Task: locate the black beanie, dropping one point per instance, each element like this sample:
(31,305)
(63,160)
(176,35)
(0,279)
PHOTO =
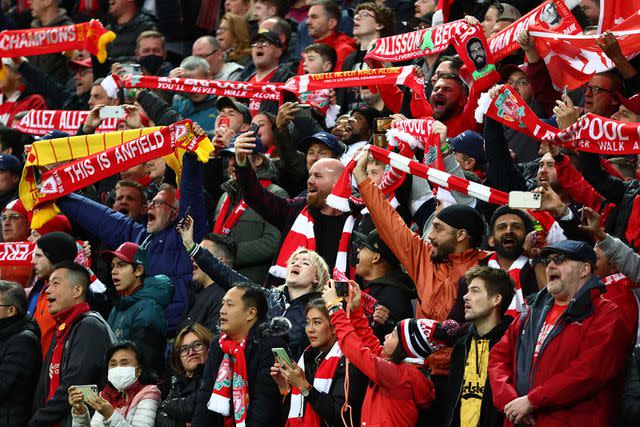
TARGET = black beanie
(464,217)
(58,246)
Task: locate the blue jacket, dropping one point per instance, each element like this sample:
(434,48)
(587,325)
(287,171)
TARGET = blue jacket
(165,250)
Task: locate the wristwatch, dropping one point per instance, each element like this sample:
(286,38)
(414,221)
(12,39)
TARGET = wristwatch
(305,392)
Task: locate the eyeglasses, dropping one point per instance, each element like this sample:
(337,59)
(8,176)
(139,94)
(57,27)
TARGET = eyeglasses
(83,71)
(519,83)
(222,30)
(264,43)
(207,55)
(557,260)
(157,203)
(361,15)
(197,347)
(595,89)
(11,217)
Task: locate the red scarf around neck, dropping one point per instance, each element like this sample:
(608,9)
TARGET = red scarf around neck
(225,223)
(230,396)
(64,320)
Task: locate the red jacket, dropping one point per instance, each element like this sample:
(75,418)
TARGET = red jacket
(577,378)
(396,392)
(343,44)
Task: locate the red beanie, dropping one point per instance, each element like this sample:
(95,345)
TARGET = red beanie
(57,223)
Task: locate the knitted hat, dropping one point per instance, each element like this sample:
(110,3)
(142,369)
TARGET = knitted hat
(57,223)
(339,197)
(58,246)
(464,217)
(421,337)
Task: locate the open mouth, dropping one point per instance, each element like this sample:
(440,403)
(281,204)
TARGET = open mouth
(295,270)
(259,53)
(151,217)
(124,211)
(508,242)
(439,104)
(554,276)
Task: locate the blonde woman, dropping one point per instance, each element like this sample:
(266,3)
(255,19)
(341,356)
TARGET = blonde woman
(233,36)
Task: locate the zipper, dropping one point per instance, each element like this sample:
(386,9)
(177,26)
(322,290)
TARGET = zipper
(466,354)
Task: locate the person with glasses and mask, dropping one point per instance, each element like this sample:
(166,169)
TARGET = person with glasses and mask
(208,48)
(138,312)
(130,398)
(564,358)
(187,362)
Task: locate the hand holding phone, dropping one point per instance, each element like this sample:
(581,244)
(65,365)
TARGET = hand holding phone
(255,128)
(342,288)
(112,112)
(87,390)
(184,219)
(281,356)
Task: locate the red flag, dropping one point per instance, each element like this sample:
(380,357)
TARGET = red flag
(614,12)
(573,60)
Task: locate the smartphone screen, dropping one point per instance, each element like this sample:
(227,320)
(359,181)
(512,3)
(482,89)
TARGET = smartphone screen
(342,288)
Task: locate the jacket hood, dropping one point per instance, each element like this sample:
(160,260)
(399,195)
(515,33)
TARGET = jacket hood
(158,288)
(13,325)
(396,279)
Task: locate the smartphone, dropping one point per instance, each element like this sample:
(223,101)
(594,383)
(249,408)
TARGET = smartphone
(87,390)
(112,112)
(281,355)
(524,200)
(224,121)
(304,106)
(184,218)
(254,128)
(565,90)
(342,288)
(133,69)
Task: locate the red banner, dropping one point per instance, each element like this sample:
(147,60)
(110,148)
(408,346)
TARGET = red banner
(613,12)
(39,122)
(550,15)
(591,133)
(573,60)
(262,91)
(472,48)
(378,76)
(79,173)
(91,36)
(16,253)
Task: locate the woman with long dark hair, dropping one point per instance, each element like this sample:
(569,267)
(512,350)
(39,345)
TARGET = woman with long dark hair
(314,387)
(130,398)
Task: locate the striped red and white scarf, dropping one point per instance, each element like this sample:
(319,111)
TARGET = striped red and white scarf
(518,302)
(302,235)
(301,415)
(230,395)
(225,223)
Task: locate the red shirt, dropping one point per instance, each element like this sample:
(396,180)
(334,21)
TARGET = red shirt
(549,323)
(254,103)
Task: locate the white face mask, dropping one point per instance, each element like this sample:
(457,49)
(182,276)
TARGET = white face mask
(122,377)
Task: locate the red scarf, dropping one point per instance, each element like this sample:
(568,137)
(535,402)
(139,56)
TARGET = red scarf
(39,122)
(64,320)
(91,36)
(16,253)
(302,235)
(223,223)
(261,91)
(473,36)
(89,7)
(591,133)
(231,390)
(301,415)
(518,301)
(633,226)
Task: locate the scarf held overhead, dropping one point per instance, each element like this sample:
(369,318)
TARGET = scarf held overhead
(573,59)
(591,133)
(91,36)
(419,43)
(378,76)
(79,173)
(261,91)
(40,122)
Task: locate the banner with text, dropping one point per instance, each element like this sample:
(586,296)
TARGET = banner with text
(40,122)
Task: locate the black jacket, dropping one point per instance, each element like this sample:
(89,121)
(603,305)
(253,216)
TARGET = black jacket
(177,408)
(59,96)
(264,398)
(206,309)
(328,406)
(394,290)
(489,415)
(82,363)
(20,359)
(122,49)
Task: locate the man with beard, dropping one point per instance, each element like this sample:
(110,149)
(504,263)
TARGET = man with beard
(435,266)
(479,57)
(324,222)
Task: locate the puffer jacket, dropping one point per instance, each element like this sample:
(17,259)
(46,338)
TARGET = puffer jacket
(257,240)
(139,317)
(20,361)
(176,410)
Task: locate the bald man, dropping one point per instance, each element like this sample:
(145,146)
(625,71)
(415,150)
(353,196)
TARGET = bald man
(328,223)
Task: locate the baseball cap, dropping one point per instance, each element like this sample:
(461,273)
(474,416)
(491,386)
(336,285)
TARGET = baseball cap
(509,69)
(9,162)
(374,242)
(54,134)
(632,104)
(469,143)
(129,252)
(325,138)
(226,102)
(85,63)
(267,35)
(573,249)
(259,148)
